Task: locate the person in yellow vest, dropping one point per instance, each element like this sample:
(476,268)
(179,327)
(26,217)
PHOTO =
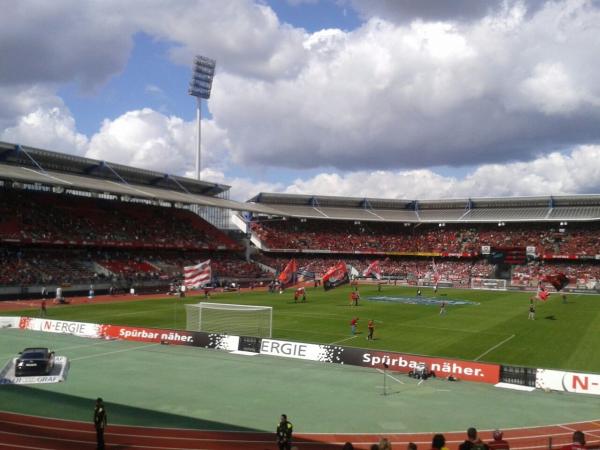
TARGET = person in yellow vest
(284,433)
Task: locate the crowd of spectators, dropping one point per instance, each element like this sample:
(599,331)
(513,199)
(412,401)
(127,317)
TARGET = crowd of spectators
(575,441)
(41,216)
(34,266)
(551,238)
(459,271)
(584,275)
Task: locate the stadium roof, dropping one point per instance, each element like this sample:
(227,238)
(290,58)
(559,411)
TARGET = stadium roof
(31,165)
(467,210)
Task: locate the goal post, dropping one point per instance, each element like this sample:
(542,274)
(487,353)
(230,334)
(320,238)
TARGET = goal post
(225,318)
(493,284)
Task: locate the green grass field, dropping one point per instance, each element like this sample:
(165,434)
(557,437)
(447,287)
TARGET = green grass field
(564,336)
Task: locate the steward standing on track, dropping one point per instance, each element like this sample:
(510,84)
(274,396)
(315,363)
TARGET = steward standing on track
(100,423)
(284,433)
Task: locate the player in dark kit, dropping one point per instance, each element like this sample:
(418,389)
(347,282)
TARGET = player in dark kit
(100,423)
(284,433)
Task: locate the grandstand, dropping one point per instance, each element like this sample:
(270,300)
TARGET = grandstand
(517,239)
(73,221)
(76,221)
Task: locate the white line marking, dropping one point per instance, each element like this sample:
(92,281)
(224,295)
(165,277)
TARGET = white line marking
(494,347)
(573,429)
(115,351)
(390,376)
(344,340)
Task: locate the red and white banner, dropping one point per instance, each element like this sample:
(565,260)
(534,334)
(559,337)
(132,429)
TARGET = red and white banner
(9,322)
(579,383)
(141,334)
(373,270)
(198,275)
(443,367)
(89,330)
(336,276)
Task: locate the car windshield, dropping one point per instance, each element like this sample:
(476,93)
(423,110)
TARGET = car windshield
(33,355)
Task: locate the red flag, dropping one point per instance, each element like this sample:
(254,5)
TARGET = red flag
(373,270)
(336,276)
(542,293)
(559,280)
(436,275)
(289,273)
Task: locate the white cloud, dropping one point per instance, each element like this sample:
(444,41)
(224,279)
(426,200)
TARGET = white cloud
(52,128)
(504,87)
(509,83)
(242,188)
(556,173)
(552,89)
(149,139)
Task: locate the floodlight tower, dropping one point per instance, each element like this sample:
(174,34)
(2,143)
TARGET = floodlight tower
(200,86)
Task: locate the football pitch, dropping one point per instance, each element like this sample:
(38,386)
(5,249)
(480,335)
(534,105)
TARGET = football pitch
(149,384)
(487,326)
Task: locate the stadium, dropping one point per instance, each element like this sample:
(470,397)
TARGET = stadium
(390,237)
(115,240)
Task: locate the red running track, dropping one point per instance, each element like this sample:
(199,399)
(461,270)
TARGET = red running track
(18,431)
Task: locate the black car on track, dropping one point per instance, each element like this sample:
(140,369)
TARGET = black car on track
(34,361)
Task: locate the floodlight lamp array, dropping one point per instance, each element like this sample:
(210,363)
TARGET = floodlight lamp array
(202,77)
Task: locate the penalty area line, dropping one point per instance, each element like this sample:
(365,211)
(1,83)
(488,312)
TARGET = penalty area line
(495,347)
(344,340)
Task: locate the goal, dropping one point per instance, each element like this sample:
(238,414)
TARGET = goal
(493,284)
(236,320)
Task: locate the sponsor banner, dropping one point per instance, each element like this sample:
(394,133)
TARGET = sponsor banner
(556,380)
(299,350)
(141,334)
(553,256)
(398,362)
(89,330)
(430,254)
(173,337)
(9,322)
(458,255)
(443,367)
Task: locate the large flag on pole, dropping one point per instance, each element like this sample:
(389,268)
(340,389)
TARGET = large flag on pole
(373,270)
(542,293)
(436,275)
(288,275)
(336,276)
(559,280)
(198,275)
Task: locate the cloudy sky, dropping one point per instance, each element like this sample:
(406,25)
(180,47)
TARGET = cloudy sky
(381,98)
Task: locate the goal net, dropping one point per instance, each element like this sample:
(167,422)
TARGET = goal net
(236,320)
(493,284)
